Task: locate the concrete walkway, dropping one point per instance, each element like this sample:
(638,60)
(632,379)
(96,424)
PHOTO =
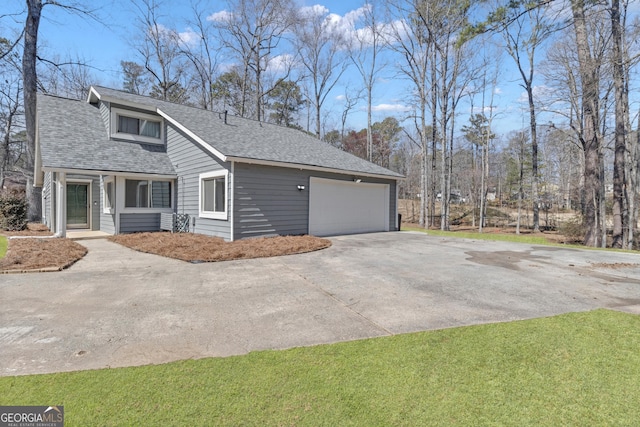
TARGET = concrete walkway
(117,307)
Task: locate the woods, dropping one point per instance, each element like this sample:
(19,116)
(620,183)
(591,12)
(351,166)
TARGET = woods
(574,149)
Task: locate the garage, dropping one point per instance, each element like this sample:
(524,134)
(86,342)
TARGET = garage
(347,207)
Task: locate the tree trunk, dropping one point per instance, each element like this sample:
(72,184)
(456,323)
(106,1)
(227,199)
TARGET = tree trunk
(534,159)
(590,119)
(34,10)
(619,182)
(423,165)
(369,121)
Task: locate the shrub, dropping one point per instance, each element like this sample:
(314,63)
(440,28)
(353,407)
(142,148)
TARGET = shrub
(13,210)
(573,229)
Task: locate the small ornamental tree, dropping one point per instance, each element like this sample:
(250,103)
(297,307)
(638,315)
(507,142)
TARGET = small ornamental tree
(13,210)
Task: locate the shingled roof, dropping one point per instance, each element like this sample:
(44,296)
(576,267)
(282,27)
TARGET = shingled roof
(246,140)
(73,136)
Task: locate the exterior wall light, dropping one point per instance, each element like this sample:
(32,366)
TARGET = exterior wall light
(300,187)
(357,180)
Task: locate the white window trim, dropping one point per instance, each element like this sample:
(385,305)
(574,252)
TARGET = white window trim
(108,208)
(115,112)
(150,209)
(208,214)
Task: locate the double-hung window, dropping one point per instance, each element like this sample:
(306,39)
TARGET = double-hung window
(147,194)
(213,195)
(136,126)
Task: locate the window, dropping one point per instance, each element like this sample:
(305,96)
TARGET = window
(136,126)
(147,194)
(109,195)
(213,195)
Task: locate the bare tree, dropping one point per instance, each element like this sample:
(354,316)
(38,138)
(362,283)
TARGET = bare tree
(364,50)
(11,110)
(350,102)
(159,48)
(30,87)
(409,41)
(620,195)
(523,35)
(30,90)
(202,55)
(574,68)
(252,30)
(322,52)
(589,62)
(70,78)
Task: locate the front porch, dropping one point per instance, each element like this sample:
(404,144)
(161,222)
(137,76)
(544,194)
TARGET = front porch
(86,234)
(90,206)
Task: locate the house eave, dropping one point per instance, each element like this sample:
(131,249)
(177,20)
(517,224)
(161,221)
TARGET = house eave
(195,137)
(94,97)
(312,168)
(107,172)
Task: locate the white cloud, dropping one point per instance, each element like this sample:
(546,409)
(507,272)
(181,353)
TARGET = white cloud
(390,108)
(188,37)
(222,16)
(347,27)
(340,98)
(280,63)
(539,92)
(313,11)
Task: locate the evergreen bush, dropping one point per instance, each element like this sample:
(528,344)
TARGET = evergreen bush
(13,210)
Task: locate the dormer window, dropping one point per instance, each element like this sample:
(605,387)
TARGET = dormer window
(134,126)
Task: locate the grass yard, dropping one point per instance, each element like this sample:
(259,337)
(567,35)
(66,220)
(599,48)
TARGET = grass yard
(529,238)
(3,246)
(574,369)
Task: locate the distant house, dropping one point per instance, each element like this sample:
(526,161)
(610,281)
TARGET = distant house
(124,163)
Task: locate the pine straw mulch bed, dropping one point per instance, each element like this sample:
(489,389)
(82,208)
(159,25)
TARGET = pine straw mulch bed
(199,248)
(38,254)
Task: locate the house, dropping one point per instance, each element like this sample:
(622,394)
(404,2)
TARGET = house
(122,163)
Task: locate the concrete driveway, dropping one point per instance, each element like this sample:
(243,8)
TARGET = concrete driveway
(117,307)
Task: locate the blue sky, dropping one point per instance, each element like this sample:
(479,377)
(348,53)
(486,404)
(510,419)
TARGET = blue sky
(104,45)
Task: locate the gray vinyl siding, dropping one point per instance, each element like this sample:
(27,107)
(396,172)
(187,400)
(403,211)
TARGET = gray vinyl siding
(268,202)
(189,161)
(107,222)
(105,113)
(131,223)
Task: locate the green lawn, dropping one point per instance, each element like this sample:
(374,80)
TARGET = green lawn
(3,246)
(574,369)
(532,239)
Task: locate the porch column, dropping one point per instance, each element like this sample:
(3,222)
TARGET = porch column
(61,205)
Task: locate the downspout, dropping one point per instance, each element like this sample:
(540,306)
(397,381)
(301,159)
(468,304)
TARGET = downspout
(398,224)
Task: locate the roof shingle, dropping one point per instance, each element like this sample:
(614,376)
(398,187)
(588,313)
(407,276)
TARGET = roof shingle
(248,139)
(72,135)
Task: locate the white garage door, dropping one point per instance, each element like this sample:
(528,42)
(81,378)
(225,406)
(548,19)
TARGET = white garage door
(344,207)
